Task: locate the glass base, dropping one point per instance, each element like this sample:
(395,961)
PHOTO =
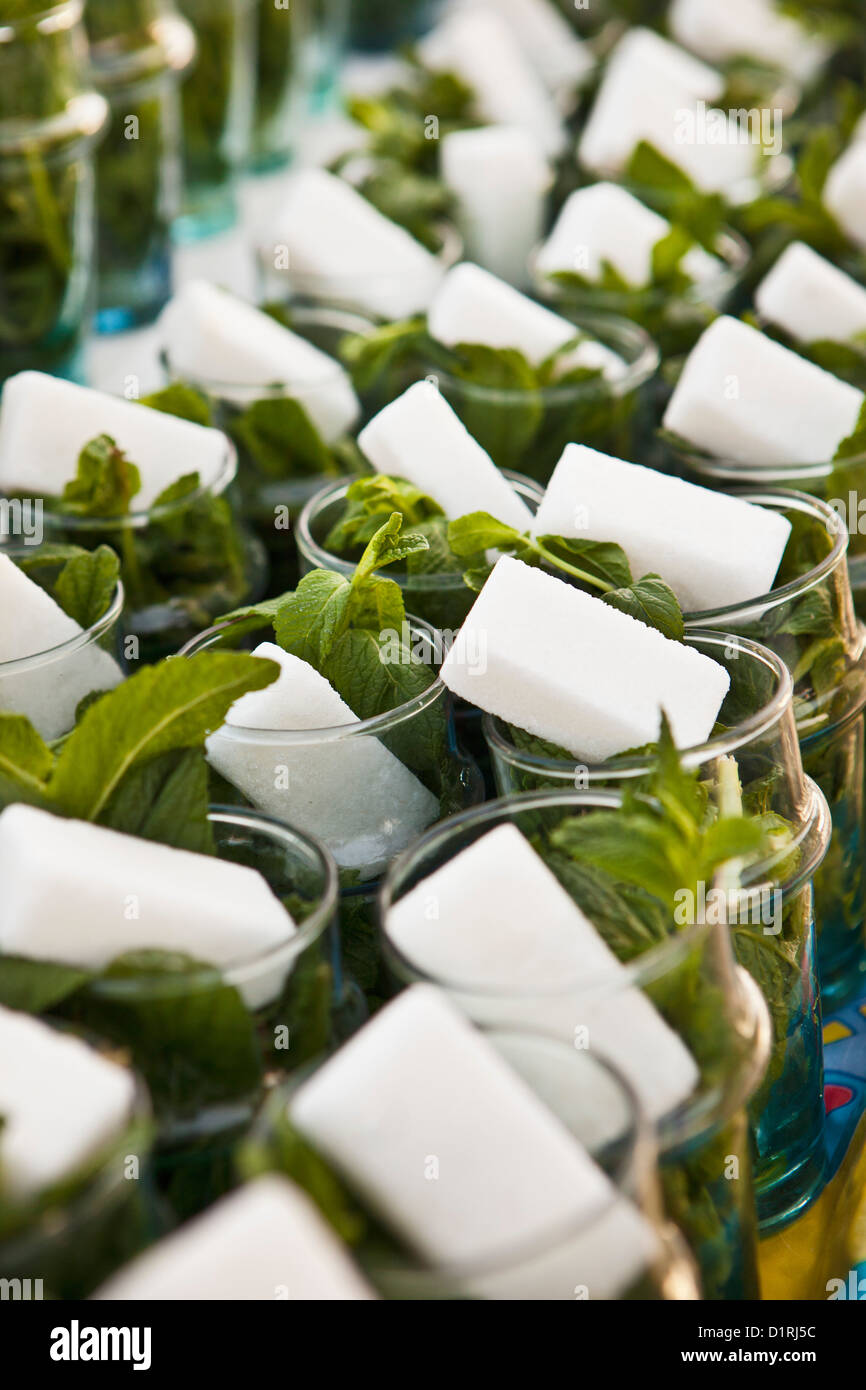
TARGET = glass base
(207,211)
(843,987)
(132,299)
(787,1197)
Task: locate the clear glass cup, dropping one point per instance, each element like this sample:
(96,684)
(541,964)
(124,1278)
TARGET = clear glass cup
(271,503)
(560,1265)
(217,104)
(712,1006)
(50,120)
(673,322)
(183,562)
(282,81)
(791,619)
(49,686)
(209,1041)
(329,20)
(137,53)
(66,1243)
(369,293)
(443,600)
(355,813)
(526,431)
(759,733)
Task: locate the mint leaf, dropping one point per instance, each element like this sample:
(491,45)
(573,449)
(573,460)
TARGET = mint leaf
(37,986)
(391,349)
(166,800)
(173,705)
(281,439)
(26,762)
(652,602)
(370,502)
(479,531)
(180,400)
(87,584)
(309,620)
(105,481)
(386,547)
(855,443)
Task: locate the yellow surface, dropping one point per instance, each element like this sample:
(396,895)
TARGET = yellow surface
(827,1241)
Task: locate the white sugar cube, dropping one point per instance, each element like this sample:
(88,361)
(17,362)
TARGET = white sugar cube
(859,131)
(844,192)
(478,46)
(418,1084)
(340,247)
(501,179)
(265,1241)
(420,438)
(604,222)
(473,306)
(62,1103)
(810,298)
(513,948)
(568,668)
(753,29)
(743,396)
(108,894)
(713,550)
(46,422)
(560,58)
(656,92)
(49,690)
(353,793)
(238,352)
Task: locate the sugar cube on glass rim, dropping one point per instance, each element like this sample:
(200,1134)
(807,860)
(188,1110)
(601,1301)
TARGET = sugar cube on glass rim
(496,928)
(419,437)
(755,29)
(566,667)
(267,1240)
(605,223)
(241,354)
(745,397)
(477,45)
(349,791)
(109,894)
(46,422)
(48,692)
(501,179)
(714,550)
(561,59)
(338,246)
(473,306)
(420,1080)
(844,192)
(654,91)
(810,298)
(62,1103)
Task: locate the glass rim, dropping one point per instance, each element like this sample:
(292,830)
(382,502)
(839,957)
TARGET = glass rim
(717,745)
(247,970)
(757,474)
(729,247)
(379,724)
(351,321)
(168,49)
(781,499)
(638,1163)
(638,370)
(335,491)
(51,19)
(82,639)
(140,519)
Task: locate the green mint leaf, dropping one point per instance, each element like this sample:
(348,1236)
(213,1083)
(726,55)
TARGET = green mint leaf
(855,443)
(182,488)
(181,400)
(87,584)
(386,547)
(165,799)
(310,620)
(600,564)
(37,986)
(281,439)
(479,531)
(172,705)
(370,357)
(372,501)
(26,762)
(652,602)
(105,481)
